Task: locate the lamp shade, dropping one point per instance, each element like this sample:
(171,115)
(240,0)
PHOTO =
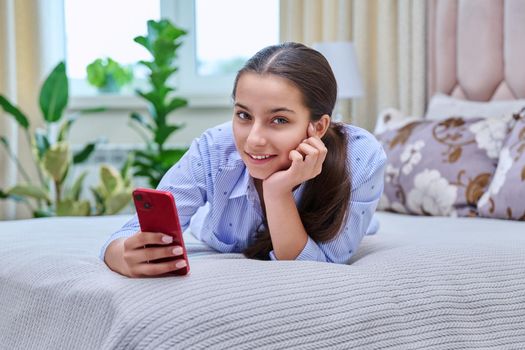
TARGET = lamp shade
(343,60)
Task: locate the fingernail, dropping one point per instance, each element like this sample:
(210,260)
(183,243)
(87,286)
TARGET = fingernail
(167,239)
(180,264)
(177,251)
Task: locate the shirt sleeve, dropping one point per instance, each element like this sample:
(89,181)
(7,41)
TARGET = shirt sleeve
(187,180)
(367,186)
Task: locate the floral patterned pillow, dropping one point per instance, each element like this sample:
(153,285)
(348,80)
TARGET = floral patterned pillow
(505,198)
(443,167)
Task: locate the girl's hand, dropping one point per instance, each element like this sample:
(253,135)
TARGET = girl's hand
(138,258)
(302,168)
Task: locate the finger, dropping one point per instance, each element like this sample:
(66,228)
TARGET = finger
(315,142)
(311,130)
(308,150)
(318,144)
(295,156)
(160,268)
(146,255)
(141,239)
(297,161)
(314,159)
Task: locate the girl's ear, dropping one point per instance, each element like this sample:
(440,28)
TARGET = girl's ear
(322,125)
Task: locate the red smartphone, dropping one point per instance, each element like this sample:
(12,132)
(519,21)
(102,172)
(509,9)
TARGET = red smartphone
(157,212)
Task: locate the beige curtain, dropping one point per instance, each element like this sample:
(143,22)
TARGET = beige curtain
(389,36)
(7,88)
(29,48)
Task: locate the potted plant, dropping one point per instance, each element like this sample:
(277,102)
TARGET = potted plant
(162,41)
(108,75)
(54,160)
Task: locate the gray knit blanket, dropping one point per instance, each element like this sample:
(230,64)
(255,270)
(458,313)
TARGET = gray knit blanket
(420,283)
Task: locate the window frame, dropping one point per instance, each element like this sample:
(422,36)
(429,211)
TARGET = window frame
(200,91)
(188,81)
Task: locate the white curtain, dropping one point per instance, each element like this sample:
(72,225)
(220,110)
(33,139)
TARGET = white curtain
(389,36)
(30,46)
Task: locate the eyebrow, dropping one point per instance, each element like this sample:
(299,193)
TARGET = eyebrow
(274,110)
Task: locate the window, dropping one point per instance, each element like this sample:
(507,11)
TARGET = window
(224,43)
(221,36)
(101,28)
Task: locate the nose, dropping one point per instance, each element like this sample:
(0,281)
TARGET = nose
(256,136)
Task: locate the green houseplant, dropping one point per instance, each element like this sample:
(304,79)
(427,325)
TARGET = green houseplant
(162,41)
(108,75)
(54,160)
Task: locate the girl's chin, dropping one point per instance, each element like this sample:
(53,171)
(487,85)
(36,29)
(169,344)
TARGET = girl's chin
(258,174)
(263,174)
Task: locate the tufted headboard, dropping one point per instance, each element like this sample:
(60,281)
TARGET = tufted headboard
(476,49)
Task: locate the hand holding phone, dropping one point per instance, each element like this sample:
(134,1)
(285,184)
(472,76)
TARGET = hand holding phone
(157,214)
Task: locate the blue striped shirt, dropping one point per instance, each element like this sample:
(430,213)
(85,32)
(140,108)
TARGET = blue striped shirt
(217,199)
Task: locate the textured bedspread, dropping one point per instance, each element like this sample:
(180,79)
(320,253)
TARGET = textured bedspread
(420,283)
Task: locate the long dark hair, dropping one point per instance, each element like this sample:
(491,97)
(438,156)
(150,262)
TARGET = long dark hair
(325,199)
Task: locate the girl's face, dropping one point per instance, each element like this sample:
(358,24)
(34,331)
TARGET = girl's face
(269,121)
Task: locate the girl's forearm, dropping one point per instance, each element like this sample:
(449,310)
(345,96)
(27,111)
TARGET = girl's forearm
(286,229)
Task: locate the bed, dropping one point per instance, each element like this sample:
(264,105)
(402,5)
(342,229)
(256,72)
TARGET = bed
(421,282)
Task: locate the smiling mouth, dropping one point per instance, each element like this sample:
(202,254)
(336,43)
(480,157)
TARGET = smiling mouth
(260,156)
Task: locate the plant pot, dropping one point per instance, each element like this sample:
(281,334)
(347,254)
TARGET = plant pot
(111,86)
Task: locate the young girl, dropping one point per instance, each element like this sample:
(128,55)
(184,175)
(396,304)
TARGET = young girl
(281,181)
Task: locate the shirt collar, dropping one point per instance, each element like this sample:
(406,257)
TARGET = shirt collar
(241,187)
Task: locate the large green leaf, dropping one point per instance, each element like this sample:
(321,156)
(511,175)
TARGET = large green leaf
(175,104)
(142,41)
(15,112)
(150,65)
(152,97)
(172,156)
(111,179)
(74,193)
(29,191)
(117,202)
(163,133)
(54,94)
(70,207)
(83,155)
(159,77)
(56,161)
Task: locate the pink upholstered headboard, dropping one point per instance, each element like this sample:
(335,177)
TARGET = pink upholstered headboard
(476,49)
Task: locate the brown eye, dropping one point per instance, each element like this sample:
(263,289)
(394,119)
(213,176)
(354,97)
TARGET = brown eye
(243,115)
(279,120)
